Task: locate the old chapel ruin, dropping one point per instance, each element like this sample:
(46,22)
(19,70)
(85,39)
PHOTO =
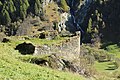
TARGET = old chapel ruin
(69,46)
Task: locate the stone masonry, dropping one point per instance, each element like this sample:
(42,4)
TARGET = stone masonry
(69,46)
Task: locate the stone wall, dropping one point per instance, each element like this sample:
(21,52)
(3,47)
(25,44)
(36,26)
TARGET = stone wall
(69,46)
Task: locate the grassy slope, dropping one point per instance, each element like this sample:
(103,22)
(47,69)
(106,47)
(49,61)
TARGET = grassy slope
(13,69)
(104,67)
(106,70)
(36,41)
(114,50)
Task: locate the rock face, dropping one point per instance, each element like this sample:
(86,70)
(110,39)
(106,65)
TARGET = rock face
(55,62)
(63,19)
(102,16)
(58,62)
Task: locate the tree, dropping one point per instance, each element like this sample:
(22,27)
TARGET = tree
(22,13)
(89,29)
(23,9)
(18,9)
(64,5)
(0,11)
(37,7)
(5,17)
(11,9)
(0,5)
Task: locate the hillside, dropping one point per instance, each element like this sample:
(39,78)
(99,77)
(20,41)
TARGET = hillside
(12,68)
(59,40)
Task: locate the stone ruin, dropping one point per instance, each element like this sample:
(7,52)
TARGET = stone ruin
(66,47)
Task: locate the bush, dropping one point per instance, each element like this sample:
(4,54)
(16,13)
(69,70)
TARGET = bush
(99,54)
(64,6)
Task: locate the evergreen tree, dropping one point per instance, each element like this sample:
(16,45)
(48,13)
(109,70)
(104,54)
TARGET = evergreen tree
(0,11)
(26,3)
(89,29)
(11,9)
(37,7)
(23,9)
(15,9)
(5,17)
(0,5)
(22,13)
(64,5)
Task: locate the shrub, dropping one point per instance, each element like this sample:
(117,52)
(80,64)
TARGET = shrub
(64,6)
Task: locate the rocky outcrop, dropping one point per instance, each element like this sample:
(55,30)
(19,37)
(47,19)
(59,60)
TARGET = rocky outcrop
(99,16)
(57,62)
(63,19)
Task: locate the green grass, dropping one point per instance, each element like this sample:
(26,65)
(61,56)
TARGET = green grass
(114,50)
(104,66)
(17,70)
(110,69)
(106,74)
(12,68)
(35,41)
